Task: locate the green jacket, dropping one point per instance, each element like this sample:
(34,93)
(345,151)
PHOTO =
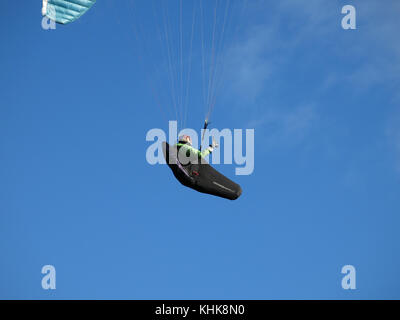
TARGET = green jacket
(190,149)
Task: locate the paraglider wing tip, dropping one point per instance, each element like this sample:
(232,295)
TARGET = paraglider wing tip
(65,11)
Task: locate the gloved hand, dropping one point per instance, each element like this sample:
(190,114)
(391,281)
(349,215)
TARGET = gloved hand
(214,144)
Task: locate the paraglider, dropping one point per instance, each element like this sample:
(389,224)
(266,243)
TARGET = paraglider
(208,24)
(65,11)
(196,173)
(194,41)
(194,38)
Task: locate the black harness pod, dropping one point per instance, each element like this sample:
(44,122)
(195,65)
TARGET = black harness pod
(200,176)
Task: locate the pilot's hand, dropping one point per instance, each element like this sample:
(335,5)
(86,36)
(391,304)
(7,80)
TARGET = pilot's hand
(214,144)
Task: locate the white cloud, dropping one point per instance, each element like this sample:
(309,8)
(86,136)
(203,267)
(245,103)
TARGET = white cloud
(255,64)
(248,67)
(370,58)
(286,126)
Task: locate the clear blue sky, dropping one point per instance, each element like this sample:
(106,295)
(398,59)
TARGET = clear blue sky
(76,191)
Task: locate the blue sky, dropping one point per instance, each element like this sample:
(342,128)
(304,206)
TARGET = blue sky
(76,191)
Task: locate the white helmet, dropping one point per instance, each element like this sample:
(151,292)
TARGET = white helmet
(185,139)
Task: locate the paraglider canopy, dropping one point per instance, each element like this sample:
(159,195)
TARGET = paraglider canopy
(65,11)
